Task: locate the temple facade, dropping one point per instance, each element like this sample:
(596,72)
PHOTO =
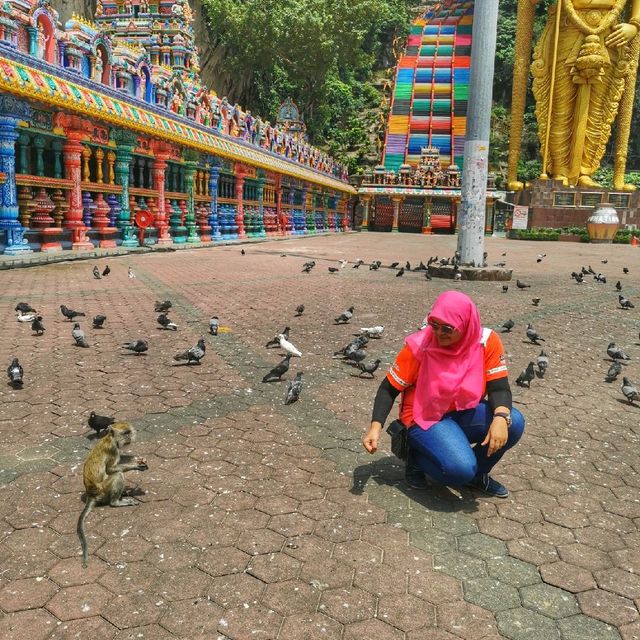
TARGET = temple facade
(106,130)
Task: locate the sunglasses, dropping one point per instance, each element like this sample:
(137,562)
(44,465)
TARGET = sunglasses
(445,329)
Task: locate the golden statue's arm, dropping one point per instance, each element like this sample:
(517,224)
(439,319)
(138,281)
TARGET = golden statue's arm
(626,106)
(524,38)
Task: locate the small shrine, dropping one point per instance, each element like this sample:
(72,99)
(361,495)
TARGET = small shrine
(107,129)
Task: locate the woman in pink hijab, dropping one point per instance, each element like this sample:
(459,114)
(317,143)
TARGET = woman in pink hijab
(444,372)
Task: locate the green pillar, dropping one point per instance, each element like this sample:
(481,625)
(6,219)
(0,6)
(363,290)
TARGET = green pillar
(126,142)
(190,168)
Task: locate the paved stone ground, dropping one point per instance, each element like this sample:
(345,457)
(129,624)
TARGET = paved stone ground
(264,521)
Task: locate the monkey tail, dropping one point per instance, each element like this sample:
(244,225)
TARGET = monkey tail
(90,503)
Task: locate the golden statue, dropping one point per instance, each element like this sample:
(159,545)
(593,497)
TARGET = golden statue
(584,75)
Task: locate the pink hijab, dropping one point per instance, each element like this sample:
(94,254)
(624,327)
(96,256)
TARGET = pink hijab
(449,376)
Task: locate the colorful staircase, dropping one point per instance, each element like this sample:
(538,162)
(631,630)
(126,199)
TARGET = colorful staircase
(429,103)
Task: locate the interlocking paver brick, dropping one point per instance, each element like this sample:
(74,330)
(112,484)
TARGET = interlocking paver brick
(460,565)
(371,629)
(608,607)
(30,593)
(244,623)
(466,620)
(310,627)
(273,567)
(348,605)
(621,582)
(186,618)
(568,577)
(35,624)
(580,627)
(291,596)
(522,624)
(96,628)
(491,594)
(549,601)
(83,601)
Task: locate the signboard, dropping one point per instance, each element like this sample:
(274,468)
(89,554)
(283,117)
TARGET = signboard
(520,217)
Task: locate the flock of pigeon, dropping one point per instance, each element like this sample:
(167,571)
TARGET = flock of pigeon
(538,367)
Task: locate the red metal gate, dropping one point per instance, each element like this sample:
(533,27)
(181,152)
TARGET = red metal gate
(381,214)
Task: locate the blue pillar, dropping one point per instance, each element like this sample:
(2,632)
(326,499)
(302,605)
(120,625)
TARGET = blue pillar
(11,111)
(214,174)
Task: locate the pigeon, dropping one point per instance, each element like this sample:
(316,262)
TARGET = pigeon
(359,262)
(162,307)
(500,264)
(78,336)
(374,266)
(600,278)
(614,371)
(96,273)
(584,272)
(525,378)
(532,334)
(357,343)
(369,368)
(427,275)
(355,357)
(275,342)
(372,332)
(618,286)
(98,321)
(604,261)
(106,271)
(504,254)
(629,391)
(535,301)
(194,354)
(625,270)
(590,270)
(507,326)
(166,323)
(131,273)
(540,257)
(579,278)
(616,353)
(214,325)
(345,316)
(299,310)
(333,269)
(70,314)
(26,317)
(522,285)
(343,263)
(24,307)
(15,373)
(400,272)
(99,423)
(407,266)
(457,276)
(36,326)
(421,267)
(295,387)
(393,265)
(288,347)
(505,288)
(242,252)
(307,266)
(279,370)
(624,303)
(137,346)
(542,361)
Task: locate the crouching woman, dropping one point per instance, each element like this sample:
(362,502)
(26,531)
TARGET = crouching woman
(456,400)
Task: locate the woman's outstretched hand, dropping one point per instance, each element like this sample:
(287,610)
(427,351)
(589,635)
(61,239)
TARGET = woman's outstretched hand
(371,438)
(496,436)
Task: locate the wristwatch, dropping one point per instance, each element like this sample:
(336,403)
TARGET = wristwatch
(505,415)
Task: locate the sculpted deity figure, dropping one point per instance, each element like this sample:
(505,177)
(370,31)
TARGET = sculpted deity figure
(41,41)
(583,65)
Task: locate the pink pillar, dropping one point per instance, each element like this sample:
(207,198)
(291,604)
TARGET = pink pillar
(240,176)
(160,222)
(72,159)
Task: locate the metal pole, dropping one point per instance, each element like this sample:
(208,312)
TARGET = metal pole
(476,146)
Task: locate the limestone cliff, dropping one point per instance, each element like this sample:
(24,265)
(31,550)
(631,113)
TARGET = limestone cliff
(211,56)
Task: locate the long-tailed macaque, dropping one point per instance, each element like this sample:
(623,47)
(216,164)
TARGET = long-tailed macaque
(104,475)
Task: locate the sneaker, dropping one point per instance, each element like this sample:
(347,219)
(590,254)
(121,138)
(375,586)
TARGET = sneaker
(414,476)
(485,483)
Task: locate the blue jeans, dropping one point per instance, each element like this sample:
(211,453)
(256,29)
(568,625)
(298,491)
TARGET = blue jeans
(444,450)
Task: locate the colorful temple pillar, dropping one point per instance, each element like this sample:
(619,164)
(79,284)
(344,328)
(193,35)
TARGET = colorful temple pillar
(11,110)
(126,142)
(260,231)
(214,173)
(190,168)
(241,173)
(158,169)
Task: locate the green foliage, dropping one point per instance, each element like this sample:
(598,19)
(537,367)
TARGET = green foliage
(322,53)
(538,234)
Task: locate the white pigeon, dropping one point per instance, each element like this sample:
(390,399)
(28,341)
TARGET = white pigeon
(343,263)
(131,273)
(26,317)
(285,345)
(372,332)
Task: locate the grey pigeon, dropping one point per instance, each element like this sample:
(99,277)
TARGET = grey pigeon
(630,391)
(194,354)
(24,307)
(535,301)
(400,272)
(161,307)
(616,353)
(98,321)
(214,325)
(96,273)
(614,371)
(15,373)
(36,326)
(625,270)
(137,346)
(70,314)
(600,278)
(167,324)
(78,336)
(525,378)
(532,334)
(507,326)
(333,269)
(625,303)
(106,271)
(505,288)
(393,265)
(542,361)
(355,357)
(345,316)
(522,285)
(295,387)
(299,310)
(306,268)
(618,286)
(279,370)
(369,368)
